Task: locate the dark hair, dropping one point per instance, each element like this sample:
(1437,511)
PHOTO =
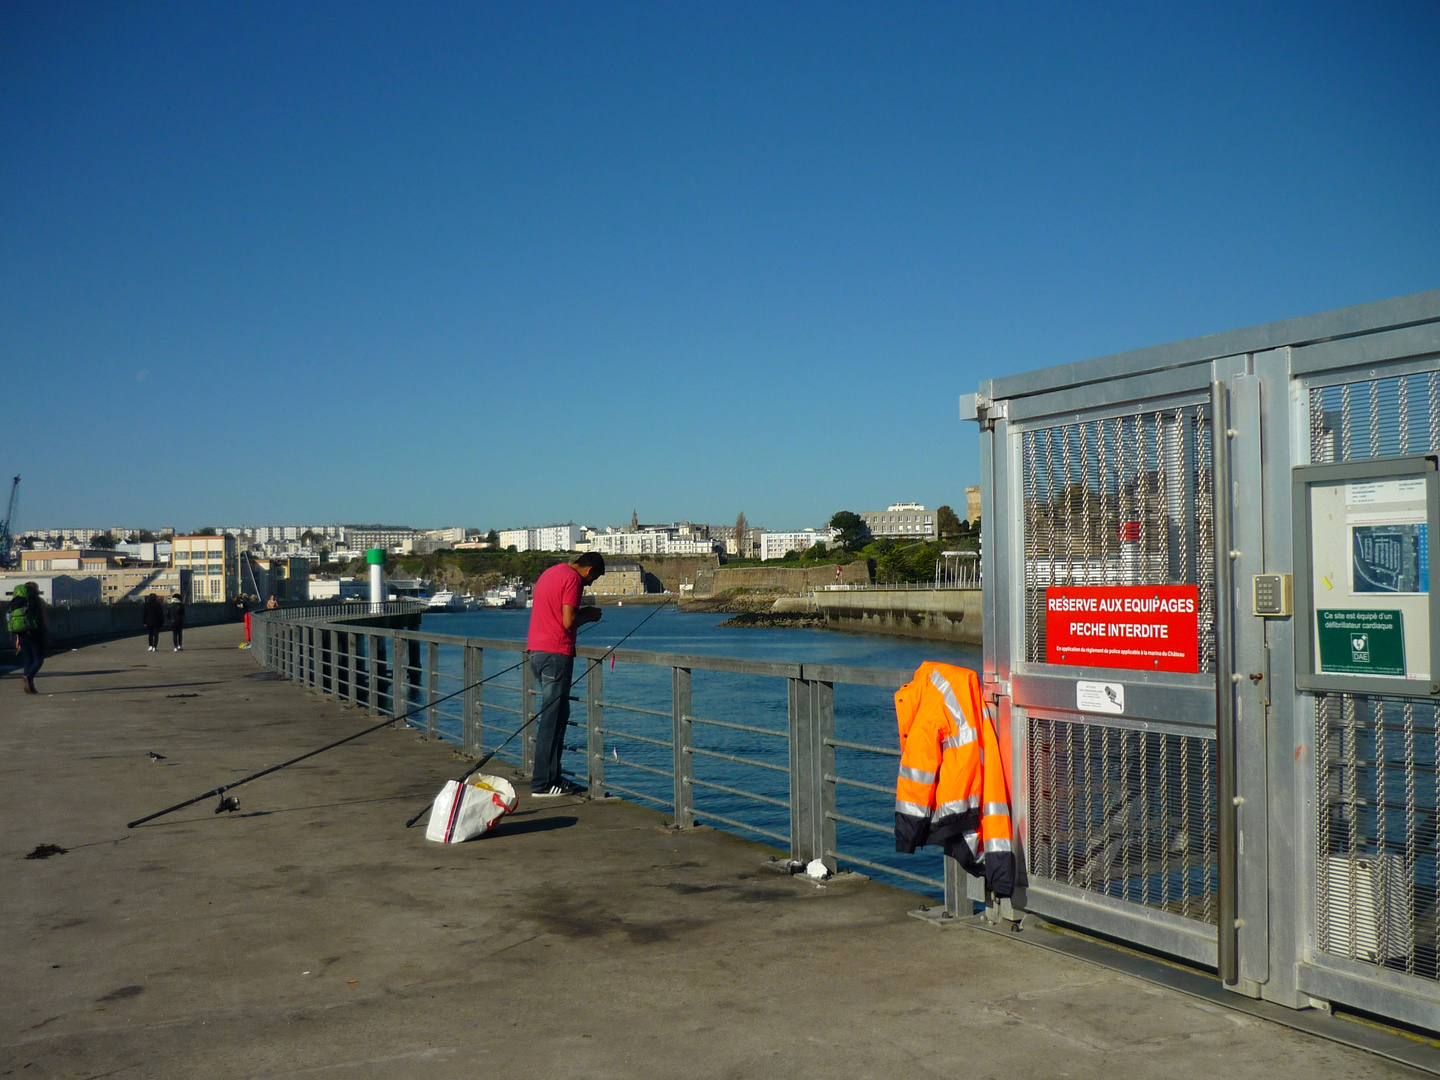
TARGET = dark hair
(592,558)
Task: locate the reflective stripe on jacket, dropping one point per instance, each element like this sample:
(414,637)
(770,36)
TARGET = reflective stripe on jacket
(952,790)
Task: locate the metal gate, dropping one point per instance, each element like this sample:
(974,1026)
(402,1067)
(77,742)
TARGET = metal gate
(1226,796)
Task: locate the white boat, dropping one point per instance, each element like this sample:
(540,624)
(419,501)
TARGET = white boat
(445,600)
(512,594)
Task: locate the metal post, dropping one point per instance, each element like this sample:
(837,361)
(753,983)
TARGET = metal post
(594,728)
(353,660)
(802,769)
(472,731)
(680,742)
(372,664)
(822,704)
(327,662)
(527,710)
(1228,943)
(312,662)
(432,688)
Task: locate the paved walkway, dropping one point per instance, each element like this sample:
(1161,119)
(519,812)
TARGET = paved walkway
(309,935)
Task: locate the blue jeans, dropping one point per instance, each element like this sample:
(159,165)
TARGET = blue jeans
(553,673)
(31,656)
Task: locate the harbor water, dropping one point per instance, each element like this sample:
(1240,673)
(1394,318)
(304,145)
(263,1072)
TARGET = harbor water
(635,762)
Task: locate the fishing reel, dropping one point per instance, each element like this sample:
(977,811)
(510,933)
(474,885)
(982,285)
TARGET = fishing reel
(228,805)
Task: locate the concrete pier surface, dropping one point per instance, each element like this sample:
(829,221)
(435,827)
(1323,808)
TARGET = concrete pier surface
(310,935)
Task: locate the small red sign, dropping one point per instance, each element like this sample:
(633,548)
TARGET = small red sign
(1144,627)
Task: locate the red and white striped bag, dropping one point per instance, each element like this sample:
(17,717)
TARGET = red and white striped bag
(483,801)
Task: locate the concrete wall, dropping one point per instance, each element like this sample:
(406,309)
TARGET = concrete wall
(936,614)
(69,626)
(779,579)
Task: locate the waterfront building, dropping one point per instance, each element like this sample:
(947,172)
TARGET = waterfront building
(391,538)
(776,545)
(67,559)
(57,587)
(283,577)
(339,589)
(621,578)
(908,521)
(214,566)
(543,538)
(682,539)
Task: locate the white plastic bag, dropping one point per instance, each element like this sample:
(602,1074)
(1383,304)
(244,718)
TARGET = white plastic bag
(484,800)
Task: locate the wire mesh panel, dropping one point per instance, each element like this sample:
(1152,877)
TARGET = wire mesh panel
(1379,820)
(1376,418)
(1377,807)
(1126,500)
(1130,814)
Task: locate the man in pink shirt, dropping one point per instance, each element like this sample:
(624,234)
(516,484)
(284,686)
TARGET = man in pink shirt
(555,616)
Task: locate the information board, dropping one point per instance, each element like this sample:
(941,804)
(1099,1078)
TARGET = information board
(1142,627)
(1370,578)
(1361,642)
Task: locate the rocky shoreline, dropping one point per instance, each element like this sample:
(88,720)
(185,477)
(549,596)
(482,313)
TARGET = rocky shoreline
(807,620)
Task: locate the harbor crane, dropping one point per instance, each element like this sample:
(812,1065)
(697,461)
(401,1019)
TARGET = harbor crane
(7,525)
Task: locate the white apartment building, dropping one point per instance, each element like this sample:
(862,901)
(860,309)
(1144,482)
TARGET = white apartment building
(775,545)
(391,539)
(542,538)
(672,540)
(909,521)
(214,566)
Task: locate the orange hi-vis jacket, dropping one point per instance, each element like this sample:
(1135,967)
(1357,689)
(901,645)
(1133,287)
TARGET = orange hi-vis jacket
(951,790)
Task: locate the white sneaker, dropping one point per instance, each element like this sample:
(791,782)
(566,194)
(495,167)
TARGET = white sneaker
(177,648)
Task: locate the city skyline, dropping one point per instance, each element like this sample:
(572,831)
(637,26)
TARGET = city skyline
(360,262)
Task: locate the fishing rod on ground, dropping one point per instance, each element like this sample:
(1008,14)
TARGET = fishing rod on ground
(234,804)
(593,665)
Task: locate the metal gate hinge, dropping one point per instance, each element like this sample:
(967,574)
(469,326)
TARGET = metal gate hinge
(988,411)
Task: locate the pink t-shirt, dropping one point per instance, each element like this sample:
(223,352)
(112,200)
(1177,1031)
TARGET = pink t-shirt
(558,586)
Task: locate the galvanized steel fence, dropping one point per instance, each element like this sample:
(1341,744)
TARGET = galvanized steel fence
(686,733)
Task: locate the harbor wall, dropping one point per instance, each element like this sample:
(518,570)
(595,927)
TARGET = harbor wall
(934,614)
(794,580)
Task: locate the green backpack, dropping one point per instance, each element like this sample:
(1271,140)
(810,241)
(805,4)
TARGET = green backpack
(20,617)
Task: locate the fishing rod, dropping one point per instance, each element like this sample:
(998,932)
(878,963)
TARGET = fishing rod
(593,665)
(234,804)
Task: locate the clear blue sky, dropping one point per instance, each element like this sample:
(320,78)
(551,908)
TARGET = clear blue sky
(504,264)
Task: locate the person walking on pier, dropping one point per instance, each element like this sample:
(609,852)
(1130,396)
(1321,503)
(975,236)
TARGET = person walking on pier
(153,616)
(555,617)
(27,620)
(175,612)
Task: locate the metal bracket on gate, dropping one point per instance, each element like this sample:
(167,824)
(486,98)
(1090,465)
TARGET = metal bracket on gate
(983,410)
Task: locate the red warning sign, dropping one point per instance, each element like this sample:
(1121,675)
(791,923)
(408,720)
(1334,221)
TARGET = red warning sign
(1146,627)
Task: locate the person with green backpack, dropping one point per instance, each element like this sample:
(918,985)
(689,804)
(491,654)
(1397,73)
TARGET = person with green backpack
(25,618)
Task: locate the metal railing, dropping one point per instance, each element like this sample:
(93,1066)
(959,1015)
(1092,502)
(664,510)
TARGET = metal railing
(644,740)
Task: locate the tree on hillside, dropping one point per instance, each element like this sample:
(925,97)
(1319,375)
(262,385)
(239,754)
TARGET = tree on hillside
(947,522)
(742,531)
(208,530)
(492,538)
(102,540)
(851,528)
(308,537)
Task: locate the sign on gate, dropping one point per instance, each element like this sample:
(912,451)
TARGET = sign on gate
(1143,627)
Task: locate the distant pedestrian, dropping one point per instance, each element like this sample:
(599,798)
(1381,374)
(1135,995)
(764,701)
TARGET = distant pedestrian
(153,616)
(555,616)
(272,604)
(27,619)
(175,612)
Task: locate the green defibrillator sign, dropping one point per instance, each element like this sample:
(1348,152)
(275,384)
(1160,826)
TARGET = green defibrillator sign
(1361,642)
